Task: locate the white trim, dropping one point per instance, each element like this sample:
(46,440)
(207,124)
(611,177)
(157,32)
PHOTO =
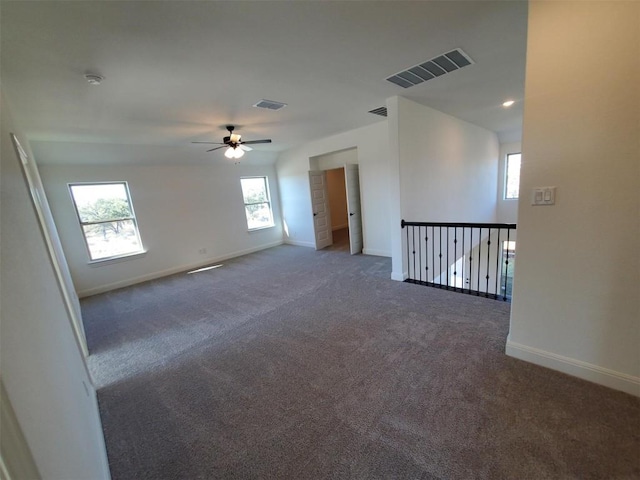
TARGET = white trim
(104,461)
(4,473)
(82,223)
(506,176)
(257,229)
(577,368)
(298,243)
(376,253)
(399,277)
(170,271)
(339,227)
(54,246)
(118,259)
(265,179)
(20,462)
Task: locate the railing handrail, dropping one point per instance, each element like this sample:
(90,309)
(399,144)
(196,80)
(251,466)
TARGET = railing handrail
(481,268)
(510,226)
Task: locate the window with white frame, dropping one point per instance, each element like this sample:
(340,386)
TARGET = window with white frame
(107,219)
(257,202)
(512,176)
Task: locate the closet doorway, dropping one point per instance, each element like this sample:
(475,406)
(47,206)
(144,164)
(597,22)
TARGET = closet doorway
(340,198)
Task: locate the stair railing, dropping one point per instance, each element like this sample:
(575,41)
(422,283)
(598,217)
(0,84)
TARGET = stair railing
(473,258)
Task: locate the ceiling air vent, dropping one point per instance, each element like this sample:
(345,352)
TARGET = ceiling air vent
(270,104)
(437,66)
(382,111)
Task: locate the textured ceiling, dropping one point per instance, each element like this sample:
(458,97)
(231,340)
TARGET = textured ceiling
(178,71)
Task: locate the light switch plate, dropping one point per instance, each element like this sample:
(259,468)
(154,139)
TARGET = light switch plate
(543,196)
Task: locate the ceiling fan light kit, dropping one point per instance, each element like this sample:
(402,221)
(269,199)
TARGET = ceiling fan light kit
(232,152)
(236,147)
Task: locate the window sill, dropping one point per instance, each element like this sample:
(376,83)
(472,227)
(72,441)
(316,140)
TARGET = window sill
(111,260)
(251,230)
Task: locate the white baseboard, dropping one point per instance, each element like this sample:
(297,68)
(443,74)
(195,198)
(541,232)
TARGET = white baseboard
(339,227)
(376,253)
(170,271)
(577,368)
(298,243)
(399,277)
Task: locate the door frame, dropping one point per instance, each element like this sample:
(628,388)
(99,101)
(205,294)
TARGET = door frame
(52,240)
(326,195)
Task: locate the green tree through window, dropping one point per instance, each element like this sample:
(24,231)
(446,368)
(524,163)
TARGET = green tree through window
(257,203)
(107,219)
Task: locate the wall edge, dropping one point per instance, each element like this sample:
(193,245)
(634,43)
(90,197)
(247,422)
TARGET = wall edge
(576,368)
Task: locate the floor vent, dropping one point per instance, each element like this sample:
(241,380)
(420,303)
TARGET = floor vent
(382,111)
(270,104)
(440,65)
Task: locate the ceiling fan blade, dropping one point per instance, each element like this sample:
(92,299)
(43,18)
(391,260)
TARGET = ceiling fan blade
(253,142)
(212,143)
(217,148)
(246,149)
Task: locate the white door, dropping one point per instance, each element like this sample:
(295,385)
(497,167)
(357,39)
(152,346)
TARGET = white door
(320,207)
(352,181)
(32,177)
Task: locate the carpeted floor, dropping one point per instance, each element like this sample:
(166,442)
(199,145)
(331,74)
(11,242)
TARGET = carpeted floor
(296,364)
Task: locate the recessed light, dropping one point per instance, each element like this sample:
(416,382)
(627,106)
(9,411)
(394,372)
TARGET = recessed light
(508,103)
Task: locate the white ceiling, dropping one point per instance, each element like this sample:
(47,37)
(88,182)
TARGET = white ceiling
(178,71)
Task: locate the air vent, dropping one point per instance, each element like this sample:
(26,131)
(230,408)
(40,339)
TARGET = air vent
(270,104)
(382,111)
(437,66)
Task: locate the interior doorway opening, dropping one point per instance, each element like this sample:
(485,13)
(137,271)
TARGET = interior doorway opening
(345,224)
(337,196)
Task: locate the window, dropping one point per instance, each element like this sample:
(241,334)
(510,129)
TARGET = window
(107,219)
(512,177)
(257,204)
(508,262)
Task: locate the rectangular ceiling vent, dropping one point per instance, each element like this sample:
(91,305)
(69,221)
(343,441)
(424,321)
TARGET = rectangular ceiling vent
(436,67)
(382,111)
(270,104)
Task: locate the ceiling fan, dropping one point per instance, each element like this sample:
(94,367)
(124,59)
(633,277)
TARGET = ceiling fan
(235,146)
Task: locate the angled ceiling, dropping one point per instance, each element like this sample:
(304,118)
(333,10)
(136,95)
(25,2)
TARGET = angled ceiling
(178,71)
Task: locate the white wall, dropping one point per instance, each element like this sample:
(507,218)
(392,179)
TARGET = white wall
(448,169)
(576,302)
(334,159)
(507,208)
(180,210)
(398,256)
(42,366)
(373,156)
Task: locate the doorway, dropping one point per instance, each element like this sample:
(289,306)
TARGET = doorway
(337,196)
(337,219)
